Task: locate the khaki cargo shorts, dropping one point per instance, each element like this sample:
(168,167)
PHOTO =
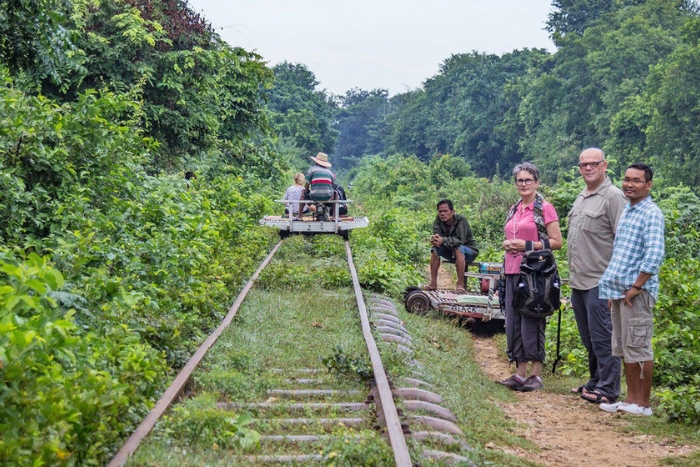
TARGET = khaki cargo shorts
(633,327)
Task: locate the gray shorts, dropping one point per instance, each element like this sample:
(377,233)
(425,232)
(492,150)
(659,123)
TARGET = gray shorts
(633,327)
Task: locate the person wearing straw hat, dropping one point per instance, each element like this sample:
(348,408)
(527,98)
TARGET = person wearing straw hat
(319,183)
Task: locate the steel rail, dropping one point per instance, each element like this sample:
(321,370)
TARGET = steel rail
(176,388)
(391,417)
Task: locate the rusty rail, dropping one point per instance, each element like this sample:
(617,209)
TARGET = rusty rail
(393,424)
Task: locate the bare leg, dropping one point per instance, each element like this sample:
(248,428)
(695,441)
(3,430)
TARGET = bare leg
(638,388)
(522,370)
(645,385)
(460,265)
(536,368)
(632,376)
(434,266)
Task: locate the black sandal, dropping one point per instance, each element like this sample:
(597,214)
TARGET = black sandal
(595,397)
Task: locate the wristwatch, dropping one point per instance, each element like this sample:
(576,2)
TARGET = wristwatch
(636,287)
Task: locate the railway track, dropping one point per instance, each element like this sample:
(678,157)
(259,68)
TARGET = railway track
(304,411)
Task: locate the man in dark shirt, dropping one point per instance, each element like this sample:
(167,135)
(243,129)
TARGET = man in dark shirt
(452,240)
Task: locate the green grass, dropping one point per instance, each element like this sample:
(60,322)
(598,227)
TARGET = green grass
(291,320)
(303,311)
(447,355)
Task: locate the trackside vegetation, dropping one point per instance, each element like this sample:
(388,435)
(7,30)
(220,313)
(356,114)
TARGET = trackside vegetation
(411,188)
(114,267)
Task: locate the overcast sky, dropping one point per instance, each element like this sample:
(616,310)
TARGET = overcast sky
(389,44)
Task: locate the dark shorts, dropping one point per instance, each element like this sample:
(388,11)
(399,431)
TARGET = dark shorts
(449,255)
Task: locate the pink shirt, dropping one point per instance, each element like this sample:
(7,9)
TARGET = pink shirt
(522,227)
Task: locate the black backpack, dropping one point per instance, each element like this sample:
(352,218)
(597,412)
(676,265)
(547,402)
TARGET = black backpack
(539,287)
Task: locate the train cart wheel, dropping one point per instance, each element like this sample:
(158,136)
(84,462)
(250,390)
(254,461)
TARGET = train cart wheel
(284,234)
(344,234)
(417,302)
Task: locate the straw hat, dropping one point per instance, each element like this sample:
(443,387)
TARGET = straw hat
(321,159)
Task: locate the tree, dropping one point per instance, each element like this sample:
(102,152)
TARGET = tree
(200,96)
(300,113)
(359,122)
(574,16)
(461,110)
(667,127)
(572,99)
(34,38)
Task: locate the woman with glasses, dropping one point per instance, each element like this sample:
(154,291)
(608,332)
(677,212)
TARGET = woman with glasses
(530,223)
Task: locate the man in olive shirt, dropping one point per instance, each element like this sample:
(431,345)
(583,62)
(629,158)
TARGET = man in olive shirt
(592,224)
(453,240)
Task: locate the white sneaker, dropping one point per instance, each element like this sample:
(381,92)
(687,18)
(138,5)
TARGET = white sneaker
(612,408)
(635,409)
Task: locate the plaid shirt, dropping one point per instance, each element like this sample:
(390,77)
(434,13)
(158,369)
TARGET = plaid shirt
(638,247)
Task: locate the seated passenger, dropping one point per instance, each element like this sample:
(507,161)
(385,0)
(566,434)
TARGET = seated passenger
(341,196)
(294,193)
(319,184)
(338,195)
(452,240)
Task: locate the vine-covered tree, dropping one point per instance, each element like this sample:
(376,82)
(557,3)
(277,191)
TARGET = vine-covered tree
(199,95)
(34,38)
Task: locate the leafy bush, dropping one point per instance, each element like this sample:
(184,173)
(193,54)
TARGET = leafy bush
(59,402)
(346,450)
(682,403)
(347,365)
(199,423)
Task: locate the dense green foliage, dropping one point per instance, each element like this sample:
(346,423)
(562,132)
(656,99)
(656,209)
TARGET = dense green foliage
(149,265)
(112,271)
(301,115)
(113,268)
(68,393)
(197,94)
(360,124)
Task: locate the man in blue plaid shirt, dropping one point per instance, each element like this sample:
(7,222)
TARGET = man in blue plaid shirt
(631,285)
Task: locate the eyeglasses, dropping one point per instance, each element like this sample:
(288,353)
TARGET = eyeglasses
(524,181)
(592,165)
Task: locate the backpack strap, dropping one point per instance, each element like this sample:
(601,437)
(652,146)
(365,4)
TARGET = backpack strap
(539,221)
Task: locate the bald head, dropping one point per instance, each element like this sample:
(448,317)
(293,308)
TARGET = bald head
(592,165)
(595,152)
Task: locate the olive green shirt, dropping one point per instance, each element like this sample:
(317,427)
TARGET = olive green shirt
(459,233)
(592,225)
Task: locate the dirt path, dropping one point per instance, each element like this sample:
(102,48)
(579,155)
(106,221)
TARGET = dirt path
(570,431)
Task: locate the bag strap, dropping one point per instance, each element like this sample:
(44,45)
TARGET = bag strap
(530,245)
(538,212)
